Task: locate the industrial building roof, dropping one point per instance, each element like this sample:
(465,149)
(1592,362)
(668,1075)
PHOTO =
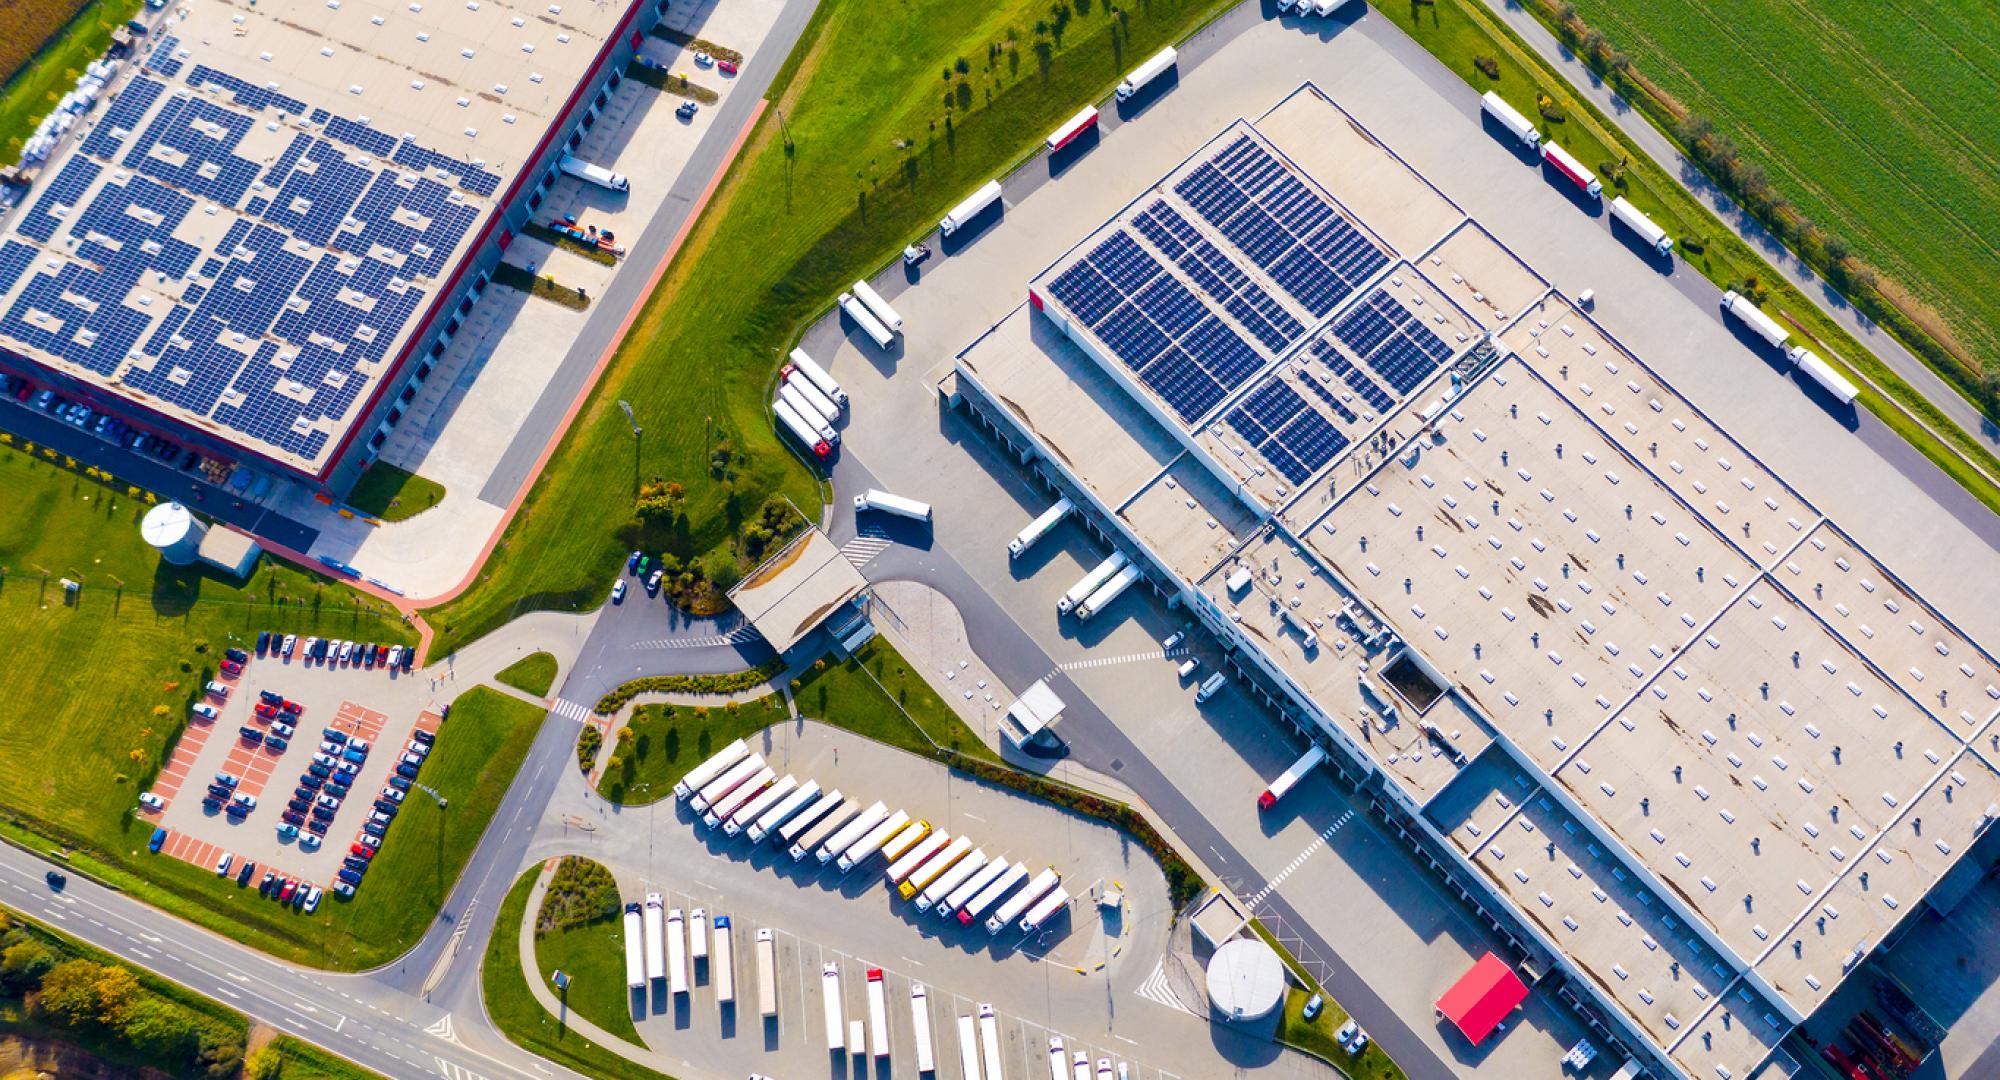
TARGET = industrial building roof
(246,236)
(794,591)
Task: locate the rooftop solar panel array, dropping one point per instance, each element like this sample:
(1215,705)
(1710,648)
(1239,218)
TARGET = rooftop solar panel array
(1286,432)
(162,58)
(1389,339)
(1214,273)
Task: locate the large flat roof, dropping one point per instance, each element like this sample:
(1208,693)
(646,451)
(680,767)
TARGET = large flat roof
(246,237)
(795,590)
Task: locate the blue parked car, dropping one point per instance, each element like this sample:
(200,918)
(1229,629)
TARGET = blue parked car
(355,754)
(350,876)
(159,839)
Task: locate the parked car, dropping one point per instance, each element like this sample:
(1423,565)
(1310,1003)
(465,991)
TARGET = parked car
(361,851)
(409,659)
(231,669)
(1313,1005)
(727,67)
(152,802)
(400,783)
(211,805)
(223,864)
(312,900)
(235,810)
(299,805)
(395,656)
(686,110)
(406,770)
(326,757)
(413,760)
(367,841)
(334,735)
(618,593)
(285,894)
(355,756)
(218,791)
(392,794)
(421,749)
(653,584)
(336,788)
(318,771)
(366,656)
(217,690)
(276,744)
(384,806)
(422,736)
(268,882)
(355,863)
(270,697)
(349,876)
(328,801)
(292,817)
(309,842)
(243,875)
(282,729)
(346,768)
(158,841)
(291,708)
(251,735)
(382,816)
(702,59)
(374,828)
(288,831)
(290,641)
(263,643)
(318,827)
(312,647)
(342,888)
(236,654)
(204,710)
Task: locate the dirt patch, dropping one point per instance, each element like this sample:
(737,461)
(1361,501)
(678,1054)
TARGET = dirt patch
(21,1056)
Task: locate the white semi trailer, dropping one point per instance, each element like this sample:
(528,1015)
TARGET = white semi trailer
(935,868)
(1572,170)
(888,503)
(1073,128)
(1823,373)
(829,992)
(920,1026)
(1637,221)
(907,863)
(1091,581)
(767,975)
(722,962)
(995,889)
(878,307)
(635,950)
(572,165)
(989,1041)
(781,813)
(948,882)
(699,776)
(976,204)
(1018,904)
(804,832)
(748,814)
(790,395)
(1044,910)
(655,919)
(969,888)
(805,432)
(878,1015)
(870,843)
(815,397)
(1510,118)
(968,1049)
(1107,592)
(1753,317)
(815,374)
(1306,763)
(1038,528)
(697,936)
(844,837)
(743,793)
(866,320)
(677,968)
(1140,77)
(736,776)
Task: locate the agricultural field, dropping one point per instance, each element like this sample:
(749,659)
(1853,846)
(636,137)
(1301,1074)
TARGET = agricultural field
(1874,120)
(44,47)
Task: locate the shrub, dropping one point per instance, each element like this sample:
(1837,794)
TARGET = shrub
(587,746)
(734,683)
(1487,65)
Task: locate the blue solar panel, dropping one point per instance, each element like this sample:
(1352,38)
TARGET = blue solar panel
(15,258)
(1131,336)
(1295,440)
(202,138)
(1170,305)
(1121,259)
(161,59)
(1248,165)
(1328,398)
(1397,346)
(1309,281)
(1186,388)
(1221,353)
(1085,292)
(1211,195)
(1371,392)
(123,117)
(1258,235)
(247,96)
(71,181)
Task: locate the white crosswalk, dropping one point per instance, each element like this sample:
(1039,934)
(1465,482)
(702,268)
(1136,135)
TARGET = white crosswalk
(740,636)
(1159,990)
(862,549)
(1310,849)
(1107,661)
(456,1072)
(570,710)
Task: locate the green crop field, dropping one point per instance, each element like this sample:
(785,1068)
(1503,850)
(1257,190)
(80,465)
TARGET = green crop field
(1875,120)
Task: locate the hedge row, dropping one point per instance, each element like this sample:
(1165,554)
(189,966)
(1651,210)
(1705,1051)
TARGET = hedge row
(734,683)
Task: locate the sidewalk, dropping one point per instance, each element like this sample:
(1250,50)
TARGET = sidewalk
(546,997)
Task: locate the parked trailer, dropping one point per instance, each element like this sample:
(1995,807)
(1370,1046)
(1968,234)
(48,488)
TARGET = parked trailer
(1510,118)
(969,889)
(815,374)
(866,320)
(1327,7)
(1306,763)
(1018,904)
(699,776)
(899,505)
(806,818)
(677,969)
(1567,164)
(655,918)
(878,307)
(781,813)
(936,867)
(1637,221)
(900,843)
(1044,910)
(829,992)
(1058,1059)
(870,842)
(750,812)
(844,838)
(995,889)
(1098,575)
(968,1049)
(806,434)
(989,1041)
(1753,317)
(961,874)
(1160,63)
(790,395)
(1038,528)
(697,935)
(594,174)
(878,1015)
(1106,593)
(743,793)
(1073,128)
(815,397)
(975,204)
(920,1026)
(808,835)
(767,975)
(1823,373)
(635,950)
(722,962)
(738,775)
(907,863)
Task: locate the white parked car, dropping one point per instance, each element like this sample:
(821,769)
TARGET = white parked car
(152,802)
(204,710)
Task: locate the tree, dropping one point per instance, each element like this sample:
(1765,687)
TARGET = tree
(157,1028)
(69,992)
(265,1063)
(23,964)
(117,990)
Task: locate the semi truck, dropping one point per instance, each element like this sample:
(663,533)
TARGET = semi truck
(816,420)
(989,1041)
(994,890)
(927,874)
(635,950)
(1018,904)
(856,828)
(1510,118)
(1107,592)
(907,863)
(571,165)
(697,936)
(1090,582)
(1073,128)
(802,832)
(870,842)
(920,1026)
(738,797)
(807,434)
(948,882)
(1044,910)
(1038,528)
(1058,1059)
(974,205)
(815,397)
(968,1049)
(829,992)
(748,814)
(781,813)
(677,968)
(767,975)
(866,320)
(900,843)
(699,776)
(972,886)
(1566,163)
(1637,221)
(878,307)
(805,817)
(878,1015)
(1140,77)
(734,777)
(655,919)
(722,963)
(1753,317)
(1306,763)
(887,503)
(805,365)
(1823,373)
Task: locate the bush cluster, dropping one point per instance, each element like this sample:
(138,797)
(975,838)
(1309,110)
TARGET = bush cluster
(587,746)
(734,683)
(580,892)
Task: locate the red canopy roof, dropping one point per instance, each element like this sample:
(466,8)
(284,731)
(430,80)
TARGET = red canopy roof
(1482,997)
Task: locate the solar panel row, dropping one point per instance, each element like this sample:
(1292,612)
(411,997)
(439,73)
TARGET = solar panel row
(1385,336)
(1206,265)
(1293,438)
(1371,392)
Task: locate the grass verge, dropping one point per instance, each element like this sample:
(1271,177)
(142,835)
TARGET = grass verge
(1316,1036)
(52,47)
(517,1014)
(661,742)
(531,674)
(877,694)
(541,286)
(393,494)
(578,932)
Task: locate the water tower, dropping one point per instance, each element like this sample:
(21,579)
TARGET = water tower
(173,529)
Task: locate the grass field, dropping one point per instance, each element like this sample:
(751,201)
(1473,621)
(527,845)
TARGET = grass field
(873,157)
(895,705)
(589,947)
(394,494)
(662,742)
(1316,1036)
(1875,121)
(44,47)
(531,674)
(521,1018)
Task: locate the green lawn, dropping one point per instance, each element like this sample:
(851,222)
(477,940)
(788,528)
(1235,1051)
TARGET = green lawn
(1316,1036)
(586,941)
(532,674)
(513,1009)
(53,63)
(393,494)
(873,157)
(895,706)
(301,1060)
(662,742)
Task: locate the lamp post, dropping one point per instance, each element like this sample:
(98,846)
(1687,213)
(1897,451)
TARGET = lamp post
(638,434)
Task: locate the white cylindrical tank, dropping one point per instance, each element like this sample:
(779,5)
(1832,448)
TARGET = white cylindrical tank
(1246,980)
(175,531)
